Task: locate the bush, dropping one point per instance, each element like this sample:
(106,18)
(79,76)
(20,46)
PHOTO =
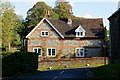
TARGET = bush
(18,62)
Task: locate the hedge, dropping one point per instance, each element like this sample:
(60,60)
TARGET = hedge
(18,62)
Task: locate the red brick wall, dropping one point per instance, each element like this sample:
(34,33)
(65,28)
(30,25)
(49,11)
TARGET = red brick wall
(55,41)
(75,61)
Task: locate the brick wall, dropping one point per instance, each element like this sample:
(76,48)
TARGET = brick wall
(76,61)
(93,47)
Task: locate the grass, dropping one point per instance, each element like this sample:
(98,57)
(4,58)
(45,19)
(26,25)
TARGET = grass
(66,67)
(110,71)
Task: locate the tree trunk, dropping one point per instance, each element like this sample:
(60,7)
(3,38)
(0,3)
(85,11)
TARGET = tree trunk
(9,47)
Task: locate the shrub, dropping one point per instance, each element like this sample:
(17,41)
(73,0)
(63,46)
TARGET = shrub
(19,62)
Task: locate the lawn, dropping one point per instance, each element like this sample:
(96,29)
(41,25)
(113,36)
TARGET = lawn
(108,72)
(66,67)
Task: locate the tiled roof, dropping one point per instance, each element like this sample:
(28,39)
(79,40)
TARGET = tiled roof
(93,27)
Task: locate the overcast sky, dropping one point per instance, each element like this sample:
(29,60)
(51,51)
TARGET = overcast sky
(81,8)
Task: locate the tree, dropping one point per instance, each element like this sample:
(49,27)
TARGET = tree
(9,22)
(106,34)
(37,12)
(1,24)
(63,9)
(106,43)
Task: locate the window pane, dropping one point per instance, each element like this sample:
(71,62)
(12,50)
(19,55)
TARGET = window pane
(77,50)
(39,51)
(42,33)
(81,50)
(46,33)
(35,50)
(78,34)
(49,52)
(81,53)
(53,51)
(81,33)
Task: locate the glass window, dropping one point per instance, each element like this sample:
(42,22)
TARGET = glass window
(38,50)
(80,52)
(35,50)
(44,33)
(51,52)
(80,34)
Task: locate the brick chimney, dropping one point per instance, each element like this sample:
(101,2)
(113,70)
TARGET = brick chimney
(47,14)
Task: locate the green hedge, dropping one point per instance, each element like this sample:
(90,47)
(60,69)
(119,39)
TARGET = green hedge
(18,62)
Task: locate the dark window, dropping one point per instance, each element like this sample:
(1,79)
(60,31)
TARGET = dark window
(44,33)
(38,50)
(51,52)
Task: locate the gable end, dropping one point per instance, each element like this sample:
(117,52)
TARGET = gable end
(49,24)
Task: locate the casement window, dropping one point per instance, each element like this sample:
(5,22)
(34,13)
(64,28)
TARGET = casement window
(80,32)
(44,33)
(38,50)
(80,52)
(51,52)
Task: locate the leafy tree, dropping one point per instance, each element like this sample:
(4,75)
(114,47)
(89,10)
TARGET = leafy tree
(37,12)
(21,29)
(107,44)
(1,24)
(62,11)
(106,34)
(62,8)
(9,22)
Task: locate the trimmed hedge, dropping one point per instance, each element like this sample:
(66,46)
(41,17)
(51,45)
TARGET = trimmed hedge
(18,62)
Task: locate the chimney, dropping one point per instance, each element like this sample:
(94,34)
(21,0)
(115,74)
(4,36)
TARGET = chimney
(69,17)
(47,14)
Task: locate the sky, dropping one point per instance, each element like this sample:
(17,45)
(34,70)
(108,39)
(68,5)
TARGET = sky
(81,8)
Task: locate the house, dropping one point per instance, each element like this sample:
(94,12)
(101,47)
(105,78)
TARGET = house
(114,20)
(73,37)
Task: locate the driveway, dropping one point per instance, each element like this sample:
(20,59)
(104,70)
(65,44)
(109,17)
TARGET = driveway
(63,74)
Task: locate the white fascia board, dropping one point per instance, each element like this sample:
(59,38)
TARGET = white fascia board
(49,23)
(35,28)
(80,27)
(54,28)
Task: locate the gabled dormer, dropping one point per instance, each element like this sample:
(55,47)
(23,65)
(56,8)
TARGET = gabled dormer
(80,32)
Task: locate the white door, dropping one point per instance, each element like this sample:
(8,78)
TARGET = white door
(79,52)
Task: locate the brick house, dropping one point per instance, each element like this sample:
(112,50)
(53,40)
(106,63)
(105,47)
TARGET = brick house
(72,37)
(114,20)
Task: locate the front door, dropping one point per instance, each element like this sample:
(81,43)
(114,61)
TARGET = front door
(79,52)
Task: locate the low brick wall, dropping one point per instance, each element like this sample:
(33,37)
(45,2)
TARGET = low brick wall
(75,61)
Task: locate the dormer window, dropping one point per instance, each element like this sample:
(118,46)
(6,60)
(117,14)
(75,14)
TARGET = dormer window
(80,32)
(44,33)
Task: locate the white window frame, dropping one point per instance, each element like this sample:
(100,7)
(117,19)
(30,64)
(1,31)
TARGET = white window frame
(79,53)
(37,51)
(78,34)
(80,30)
(44,33)
(51,52)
